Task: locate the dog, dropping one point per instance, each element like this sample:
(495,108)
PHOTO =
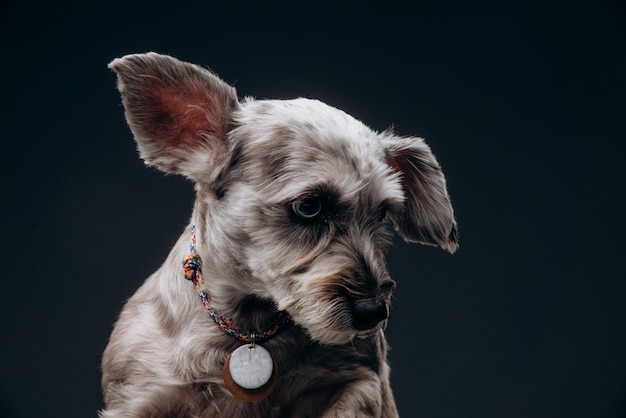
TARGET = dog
(274,301)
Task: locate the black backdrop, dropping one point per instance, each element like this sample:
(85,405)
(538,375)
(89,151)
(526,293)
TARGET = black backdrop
(524,105)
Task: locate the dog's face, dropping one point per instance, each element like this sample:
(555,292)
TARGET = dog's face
(310,194)
(299,196)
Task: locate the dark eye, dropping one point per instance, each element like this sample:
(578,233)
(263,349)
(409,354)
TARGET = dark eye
(382,213)
(308,207)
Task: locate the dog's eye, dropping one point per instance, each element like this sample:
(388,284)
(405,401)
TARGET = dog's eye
(308,207)
(382,214)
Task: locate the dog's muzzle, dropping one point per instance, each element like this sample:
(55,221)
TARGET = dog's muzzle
(367,313)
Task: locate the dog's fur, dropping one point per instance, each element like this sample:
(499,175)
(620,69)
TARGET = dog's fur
(250,161)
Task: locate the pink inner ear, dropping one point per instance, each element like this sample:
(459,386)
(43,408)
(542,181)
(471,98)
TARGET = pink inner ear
(393,163)
(403,164)
(182,114)
(176,107)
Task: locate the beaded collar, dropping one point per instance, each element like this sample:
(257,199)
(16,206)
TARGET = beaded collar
(192,269)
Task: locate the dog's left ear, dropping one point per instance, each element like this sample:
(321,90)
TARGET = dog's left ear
(428,217)
(180,113)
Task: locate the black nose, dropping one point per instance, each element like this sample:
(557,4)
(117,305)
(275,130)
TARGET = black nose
(366,313)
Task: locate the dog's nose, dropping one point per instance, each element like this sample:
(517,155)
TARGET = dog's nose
(366,313)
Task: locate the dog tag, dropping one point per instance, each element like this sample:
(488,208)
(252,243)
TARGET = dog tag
(250,373)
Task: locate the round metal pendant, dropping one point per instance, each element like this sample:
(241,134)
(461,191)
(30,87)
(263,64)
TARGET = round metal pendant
(250,373)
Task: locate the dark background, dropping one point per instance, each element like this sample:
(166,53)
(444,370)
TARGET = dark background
(524,105)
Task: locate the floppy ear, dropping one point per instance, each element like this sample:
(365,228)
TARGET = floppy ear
(428,217)
(179,113)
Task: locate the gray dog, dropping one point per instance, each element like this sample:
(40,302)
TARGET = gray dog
(273,303)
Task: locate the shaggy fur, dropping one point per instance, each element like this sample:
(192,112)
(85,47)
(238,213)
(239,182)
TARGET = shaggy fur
(252,162)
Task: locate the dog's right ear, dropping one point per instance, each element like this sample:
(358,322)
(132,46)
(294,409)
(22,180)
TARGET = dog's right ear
(428,217)
(179,113)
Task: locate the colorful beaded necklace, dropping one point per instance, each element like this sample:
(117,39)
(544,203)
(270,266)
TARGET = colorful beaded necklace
(192,268)
(250,372)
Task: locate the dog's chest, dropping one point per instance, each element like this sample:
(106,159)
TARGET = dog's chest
(311,378)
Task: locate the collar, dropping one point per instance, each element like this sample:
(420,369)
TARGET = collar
(192,267)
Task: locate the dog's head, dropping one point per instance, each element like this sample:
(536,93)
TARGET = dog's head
(296,196)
